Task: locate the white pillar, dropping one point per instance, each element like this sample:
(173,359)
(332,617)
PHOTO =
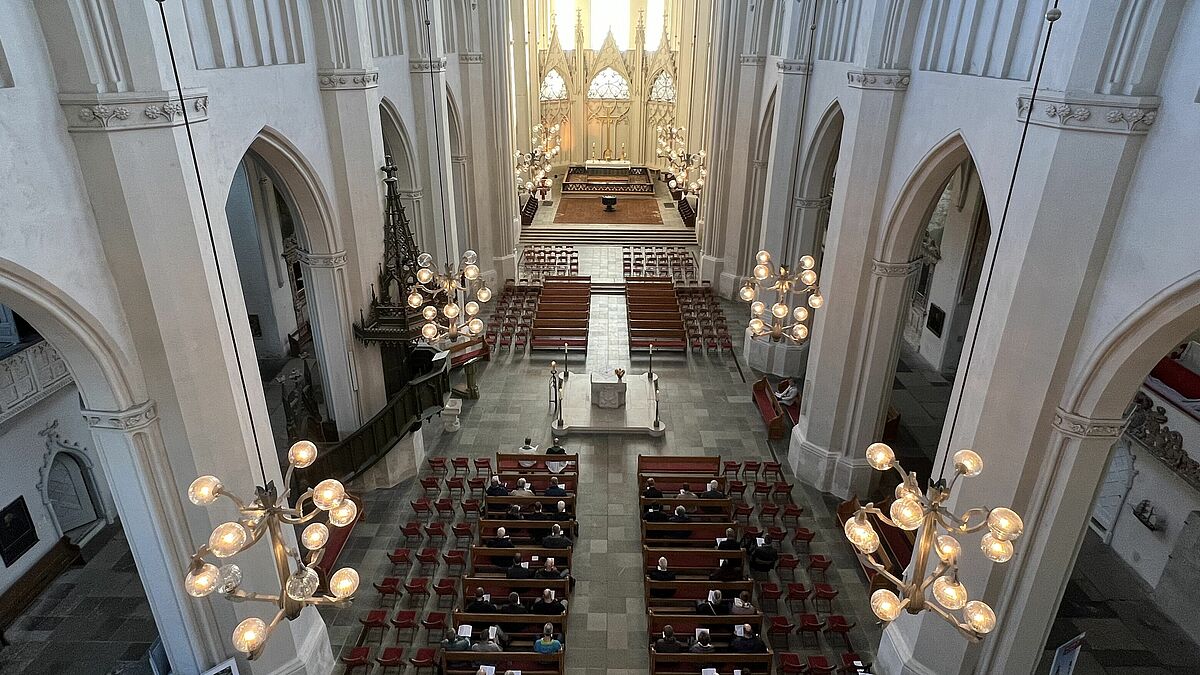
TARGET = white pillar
(326,277)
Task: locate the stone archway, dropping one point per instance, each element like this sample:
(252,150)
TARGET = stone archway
(398,145)
(814,187)
(464,221)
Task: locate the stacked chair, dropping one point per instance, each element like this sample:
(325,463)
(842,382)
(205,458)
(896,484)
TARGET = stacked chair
(707,329)
(539,262)
(673,262)
(511,321)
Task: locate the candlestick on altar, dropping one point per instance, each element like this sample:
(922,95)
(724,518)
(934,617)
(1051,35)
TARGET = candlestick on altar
(566,355)
(553,383)
(650,372)
(560,407)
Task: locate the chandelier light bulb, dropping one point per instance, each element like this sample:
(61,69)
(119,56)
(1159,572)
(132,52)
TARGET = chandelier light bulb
(905,490)
(763,257)
(302,454)
(948,548)
(429,331)
(762,271)
(816,300)
(907,513)
(996,550)
(203,490)
(303,584)
(452,310)
(881,457)
(415,300)
(757,308)
(808,262)
(475,326)
(471,272)
(227,539)
(201,582)
(344,582)
(800,332)
(343,514)
(808,277)
(968,462)
(885,604)
(328,494)
(780,310)
(429,313)
(315,536)
(757,326)
(231,578)
(800,314)
(861,534)
(949,593)
(748,292)
(1005,524)
(484,294)
(980,617)
(249,635)
(470,257)
(424,275)
(472,308)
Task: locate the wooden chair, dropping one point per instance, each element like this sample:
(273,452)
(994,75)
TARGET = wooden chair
(375,618)
(392,657)
(357,657)
(405,619)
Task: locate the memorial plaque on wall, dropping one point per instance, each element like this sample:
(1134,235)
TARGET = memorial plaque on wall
(936,319)
(17,534)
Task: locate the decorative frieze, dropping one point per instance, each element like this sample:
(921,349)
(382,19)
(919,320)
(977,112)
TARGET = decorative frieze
(752,60)
(1131,115)
(1078,426)
(335,259)
(29,377)
(793,67)
(814,203)
(471,57)
(135,417)
(889,80)
(338,79)
(427,65)
(132,110)
(896,269)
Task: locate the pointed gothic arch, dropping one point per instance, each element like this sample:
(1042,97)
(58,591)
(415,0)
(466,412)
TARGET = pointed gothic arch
(398,144)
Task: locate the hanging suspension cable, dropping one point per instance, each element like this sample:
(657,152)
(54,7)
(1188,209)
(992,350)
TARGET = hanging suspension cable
(1051,16)
(212,240)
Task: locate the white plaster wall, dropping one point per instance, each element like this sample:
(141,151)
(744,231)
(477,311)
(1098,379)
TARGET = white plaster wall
(257,284)
(23,453)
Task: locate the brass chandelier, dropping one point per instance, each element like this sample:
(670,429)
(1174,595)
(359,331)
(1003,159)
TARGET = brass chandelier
(781,321)
(460,291)
(913,510)
(265,516)
(687,168)
(533,166)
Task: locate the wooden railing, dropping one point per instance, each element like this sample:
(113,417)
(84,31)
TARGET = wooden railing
(417,401)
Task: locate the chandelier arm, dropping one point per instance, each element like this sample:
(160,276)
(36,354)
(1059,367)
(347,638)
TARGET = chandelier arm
(880,569)
(238,595)
(241,506)
(950,619)
(964,521)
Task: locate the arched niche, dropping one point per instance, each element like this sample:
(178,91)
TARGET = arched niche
(68,473)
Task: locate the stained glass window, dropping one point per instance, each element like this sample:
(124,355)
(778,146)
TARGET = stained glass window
(663,88)
(554,87)
(608,84)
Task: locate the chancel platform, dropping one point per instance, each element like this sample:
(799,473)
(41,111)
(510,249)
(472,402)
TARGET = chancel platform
(603,403)
(608,177)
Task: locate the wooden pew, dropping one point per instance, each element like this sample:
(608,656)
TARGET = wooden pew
(669,464)
(529,663)
(772,412)
(514,462)
(528,589)
(685,535)
(538,482)
(720,628)
(482,558)
(522,629)
(689,563)
(706,509)
(525,531)
(671,483)
(690,664)
(550,504)
(688,593)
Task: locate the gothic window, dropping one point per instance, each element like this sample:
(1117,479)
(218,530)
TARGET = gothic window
(663,88)
(554,87)
(608,84)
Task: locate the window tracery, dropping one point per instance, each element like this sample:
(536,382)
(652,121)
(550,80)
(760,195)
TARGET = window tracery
(554,87)
(608,85)
(663,88)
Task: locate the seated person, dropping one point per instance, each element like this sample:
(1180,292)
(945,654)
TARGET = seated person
(556,449)
(453,642)
(748,643)
(561,513)
(550,571)
(763,558)
(514,513)
(518,570)
(489,645)
(548,605)
(522,489)
(555,490)
(731,543)
(661,573)
(501,540)
(496,488)
(703,644)
(787,393)
(514,605)
(685,492)
(658,514)
(713,605)
(546,644)
(742,605)
(481,604)
(668,643)
(712,492)
(681,515)
(651,492)
(528,449)
(730,570)
(556,539)
(537,513)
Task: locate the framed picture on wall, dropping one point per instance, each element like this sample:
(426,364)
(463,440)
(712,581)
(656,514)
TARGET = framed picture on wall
(17,534)
(936,320)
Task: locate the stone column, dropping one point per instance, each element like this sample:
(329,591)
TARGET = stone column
(326,277)
(777,227)
(835,422)
(433,116)
(809,215)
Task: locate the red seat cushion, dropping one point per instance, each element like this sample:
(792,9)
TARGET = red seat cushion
(1176,376)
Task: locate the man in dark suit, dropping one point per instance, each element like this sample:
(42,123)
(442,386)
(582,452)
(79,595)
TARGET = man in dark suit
(668,643)
(556,539)
(481,604)
(712,492)
(731,543)
(748,643)
(763,558)
(517,570)
(514,605)
(651,492)
(661,573)
(501,540)
(658,515)
(555,490)
(561,513)
(681,515)
(730,570)
(548,604)
(496,489)
(712,606)
(538,513)
(556,449)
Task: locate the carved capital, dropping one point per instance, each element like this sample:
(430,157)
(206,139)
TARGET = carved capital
(133,110)
(793,67)
(1128,115)
(335,259)
(752,60)
(471,57)
(1078,426)
(414,195)
(338,79)
(888,80)
(896,269)
(813,203)
(136,417)
(437,65)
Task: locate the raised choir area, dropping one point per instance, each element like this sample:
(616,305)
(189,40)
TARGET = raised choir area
(717,600)
(482,582)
